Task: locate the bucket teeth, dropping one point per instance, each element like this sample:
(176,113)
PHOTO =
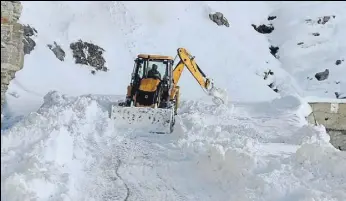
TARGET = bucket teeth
(148,119)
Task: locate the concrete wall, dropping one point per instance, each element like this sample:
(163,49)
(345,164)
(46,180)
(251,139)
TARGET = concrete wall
(12,54)
(333,117)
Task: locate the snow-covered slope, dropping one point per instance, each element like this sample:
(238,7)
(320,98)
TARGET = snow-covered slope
(125,29)
(310,44)
(258,147)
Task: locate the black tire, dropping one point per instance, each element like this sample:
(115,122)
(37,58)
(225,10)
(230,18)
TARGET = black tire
(176,99)
(171,129)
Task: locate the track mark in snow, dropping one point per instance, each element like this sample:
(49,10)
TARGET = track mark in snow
(118,175)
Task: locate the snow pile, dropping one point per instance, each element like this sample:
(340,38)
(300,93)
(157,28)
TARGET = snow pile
(75,153)
(252,162)
(56,150)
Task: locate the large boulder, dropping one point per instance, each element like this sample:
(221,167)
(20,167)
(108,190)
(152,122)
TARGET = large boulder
(219,19)
(57,50)
(322,75)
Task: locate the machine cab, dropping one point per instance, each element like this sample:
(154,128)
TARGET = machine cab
(142,74)
(144,68)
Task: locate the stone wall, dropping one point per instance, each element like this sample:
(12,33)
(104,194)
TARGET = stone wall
(333,117)
(12,54)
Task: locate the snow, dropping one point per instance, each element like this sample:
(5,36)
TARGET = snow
(318,52)
(58,142)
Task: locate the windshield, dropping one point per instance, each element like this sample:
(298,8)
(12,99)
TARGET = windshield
(161,68)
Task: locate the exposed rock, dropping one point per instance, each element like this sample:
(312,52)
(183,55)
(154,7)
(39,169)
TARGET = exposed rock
(316,34)
(263,29)
(325,19)
(274,50)
(88,54)
(338,62)
(219,19)
(10,11)
(322,75)
(337,139)
(340,96)
(271,18)
(12,55)
(29,31)
(266,74)
(320,20)
(29,43)
(272,86)
(58,51)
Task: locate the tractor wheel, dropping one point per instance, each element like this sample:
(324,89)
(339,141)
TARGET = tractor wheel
(176,100)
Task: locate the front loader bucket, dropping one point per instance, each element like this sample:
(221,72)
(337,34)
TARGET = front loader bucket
(157,120)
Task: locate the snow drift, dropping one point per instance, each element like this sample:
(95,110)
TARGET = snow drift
(70,150)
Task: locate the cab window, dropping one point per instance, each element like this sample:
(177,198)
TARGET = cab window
(161,67)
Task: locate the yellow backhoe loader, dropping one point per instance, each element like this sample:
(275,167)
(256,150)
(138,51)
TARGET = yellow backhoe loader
(152,98)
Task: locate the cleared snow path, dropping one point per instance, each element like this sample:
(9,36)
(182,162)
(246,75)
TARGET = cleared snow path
(69,150)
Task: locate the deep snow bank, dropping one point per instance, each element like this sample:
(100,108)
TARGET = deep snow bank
(259,154)
(53,152)
(69,150)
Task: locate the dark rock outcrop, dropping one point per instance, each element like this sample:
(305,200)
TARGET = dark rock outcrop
(321,20)
(325,19)
(271,18)
(219,19)
(29,43)
(58,51)
(274,50)
(338,62)
(88,54)
(340,95)
(264,29)
(266,74)
(322,75)
(272,86)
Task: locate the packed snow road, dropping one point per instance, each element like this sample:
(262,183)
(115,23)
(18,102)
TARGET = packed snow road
(69,150)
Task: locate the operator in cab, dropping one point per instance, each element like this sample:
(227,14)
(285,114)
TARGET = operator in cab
(154,73)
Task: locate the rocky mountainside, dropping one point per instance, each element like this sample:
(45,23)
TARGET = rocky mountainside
(12,46)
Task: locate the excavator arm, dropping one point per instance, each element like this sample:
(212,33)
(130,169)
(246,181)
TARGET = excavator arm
(186,59)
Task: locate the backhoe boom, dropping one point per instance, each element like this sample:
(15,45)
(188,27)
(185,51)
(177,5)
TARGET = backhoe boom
(186,59)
